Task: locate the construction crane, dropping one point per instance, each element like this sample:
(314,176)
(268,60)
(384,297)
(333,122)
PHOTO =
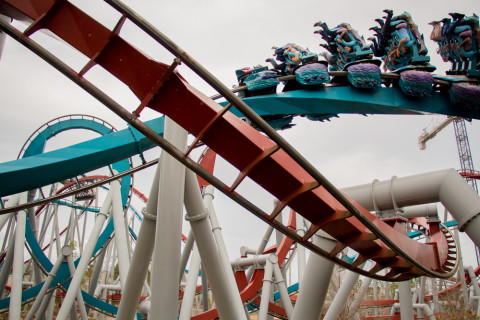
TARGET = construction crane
(464,154)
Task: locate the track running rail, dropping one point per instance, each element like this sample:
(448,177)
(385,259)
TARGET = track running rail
(372,244)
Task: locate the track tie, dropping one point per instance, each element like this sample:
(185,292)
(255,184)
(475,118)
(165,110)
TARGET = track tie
(44,19)
(282,203)
(337,215)
(364,236)
(208,127)
(265,154)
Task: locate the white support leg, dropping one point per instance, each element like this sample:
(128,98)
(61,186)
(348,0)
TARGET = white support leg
(314,283)
(15,306)
(227,298)
(189,291)
(406,304)
(121,239)
(164,283)
(282,286)
(266,290)
(74,287)
(142,255)
(342,295)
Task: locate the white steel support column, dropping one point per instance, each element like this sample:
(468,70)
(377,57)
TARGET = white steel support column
(82,266)
(342,295)
(227,298)
(7,264)
(217,234)
(282,286)
(406,304)
(142,254)
(461,271)
(121,239)
(187,249)
(13,201)
(15,306)
(164,283)
(261,249)
(189,290)
(266,290)
(41,295)
(301,258)
(314,283)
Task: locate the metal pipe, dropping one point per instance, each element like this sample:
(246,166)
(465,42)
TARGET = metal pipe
(461,271)
(15,306)
(66,250)
(7,265)
(12,202)
(96,274)
(266,290)
(189,290)
(121,240)
(338,303)
(82,266)
(406,304)
(282,287)
(164,281)
(187,249)
(217,234)
(301,259)
(204,289)
(227,298)
(261,248)
(315,284)
(141,255)
(445,186)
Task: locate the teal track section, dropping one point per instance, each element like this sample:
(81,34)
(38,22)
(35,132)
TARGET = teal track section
(42,169)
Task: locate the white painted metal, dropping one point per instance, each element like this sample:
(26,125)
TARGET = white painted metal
(40,296)
(282,286)
(314,284)
(164,283)
(15,306)
(141,255)
(266,290)
(301,258)
(227,299)
(342,295)
(445,186)
(406,304)
(121,239)
(76,281)
(460,270)
(189,291)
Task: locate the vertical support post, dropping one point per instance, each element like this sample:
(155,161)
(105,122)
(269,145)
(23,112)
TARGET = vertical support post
(406,304)
(260,249)
(342,295)
(7,264)
(82,266)
(189,291)
(301,258)
(227,298)
(461,271)
(47,283)
(15,306)
(282,286)
(217,234)
(266,290)
(204,289)
(434,290)
(187,249)
(121,239)
(315,284)
(164,283)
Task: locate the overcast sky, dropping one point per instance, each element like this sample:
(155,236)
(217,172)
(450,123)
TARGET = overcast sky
(225,35)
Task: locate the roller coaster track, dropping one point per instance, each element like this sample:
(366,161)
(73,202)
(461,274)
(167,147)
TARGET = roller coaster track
(267,159)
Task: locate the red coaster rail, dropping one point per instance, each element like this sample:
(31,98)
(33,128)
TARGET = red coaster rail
(267,159)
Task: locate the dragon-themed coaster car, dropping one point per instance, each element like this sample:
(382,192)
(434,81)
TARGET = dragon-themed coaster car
(290,59)
(401,46)
(348,51)
(458,40)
